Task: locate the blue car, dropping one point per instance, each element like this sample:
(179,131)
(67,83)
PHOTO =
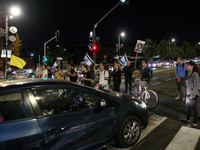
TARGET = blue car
(56,114)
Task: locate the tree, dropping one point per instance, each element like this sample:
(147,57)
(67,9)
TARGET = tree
(16,46)
(187,50)
(163,49)
(149,49)
(29,62)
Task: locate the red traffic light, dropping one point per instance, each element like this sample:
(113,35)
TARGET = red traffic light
(94,47)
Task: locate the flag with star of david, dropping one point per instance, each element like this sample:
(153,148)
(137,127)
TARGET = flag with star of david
(124,60)
(87,60)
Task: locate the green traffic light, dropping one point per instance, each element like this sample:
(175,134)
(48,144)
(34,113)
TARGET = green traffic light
(45,59)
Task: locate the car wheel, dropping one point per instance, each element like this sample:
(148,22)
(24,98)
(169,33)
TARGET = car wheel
(129,132)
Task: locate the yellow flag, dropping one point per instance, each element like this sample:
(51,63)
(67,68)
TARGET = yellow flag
(18,62)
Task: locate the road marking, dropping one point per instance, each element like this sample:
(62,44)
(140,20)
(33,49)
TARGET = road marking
(186,138)
(168,79)
(156,83)
(153,122)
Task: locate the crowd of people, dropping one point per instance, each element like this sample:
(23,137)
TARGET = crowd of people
(85,74)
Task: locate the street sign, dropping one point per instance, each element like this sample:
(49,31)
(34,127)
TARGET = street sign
(3,53)
(12,38)
(13,30)
(1,32)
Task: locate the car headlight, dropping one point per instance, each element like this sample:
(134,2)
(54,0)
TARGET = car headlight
(140,103)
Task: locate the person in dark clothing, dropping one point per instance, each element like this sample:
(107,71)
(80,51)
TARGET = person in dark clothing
(49,72)
(145,71)
(92,69)
(192,90)
(128,70)
(117,77)
(86,75)
(72,74)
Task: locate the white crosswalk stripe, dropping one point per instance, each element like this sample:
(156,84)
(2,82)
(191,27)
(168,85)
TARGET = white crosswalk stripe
(185,139)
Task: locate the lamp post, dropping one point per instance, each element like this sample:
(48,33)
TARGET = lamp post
(173,40)
(14,11)
(119,45)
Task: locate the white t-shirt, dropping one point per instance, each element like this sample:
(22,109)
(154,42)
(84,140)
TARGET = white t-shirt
(44,73)
(103,77)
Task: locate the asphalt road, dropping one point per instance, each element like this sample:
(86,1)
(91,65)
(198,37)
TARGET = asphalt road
(165,131)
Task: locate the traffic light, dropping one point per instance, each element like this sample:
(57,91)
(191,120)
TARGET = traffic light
(57,34)
(124,2)
(45,59)
(94,48)
(90,42)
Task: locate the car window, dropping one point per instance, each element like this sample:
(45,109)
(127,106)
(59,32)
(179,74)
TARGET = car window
(12,107)
(57,101)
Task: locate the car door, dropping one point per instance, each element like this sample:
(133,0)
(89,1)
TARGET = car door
(68,118)
(19,128)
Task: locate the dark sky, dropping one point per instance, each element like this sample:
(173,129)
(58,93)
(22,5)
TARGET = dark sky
(142,19)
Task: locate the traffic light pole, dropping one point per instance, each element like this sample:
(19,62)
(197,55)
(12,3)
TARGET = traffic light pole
(6,17)
(46,44)
(95,26)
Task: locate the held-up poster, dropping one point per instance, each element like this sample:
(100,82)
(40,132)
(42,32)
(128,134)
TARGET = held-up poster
(139,46)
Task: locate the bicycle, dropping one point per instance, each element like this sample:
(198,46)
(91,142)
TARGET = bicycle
(149,97)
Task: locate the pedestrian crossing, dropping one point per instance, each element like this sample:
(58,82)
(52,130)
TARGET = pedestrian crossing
(184,138)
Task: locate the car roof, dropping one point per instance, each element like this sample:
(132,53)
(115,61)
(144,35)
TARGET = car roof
(31,82)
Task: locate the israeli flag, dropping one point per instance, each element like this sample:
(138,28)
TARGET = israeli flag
(87,60)
(124,60)
(55,64)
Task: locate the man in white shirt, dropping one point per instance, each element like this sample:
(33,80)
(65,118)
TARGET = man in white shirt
(38,71)
(44,72)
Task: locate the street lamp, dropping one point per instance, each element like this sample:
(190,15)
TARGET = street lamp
(14,11)
(119,45)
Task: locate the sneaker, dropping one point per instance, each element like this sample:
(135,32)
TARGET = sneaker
(178,97)
(183,99)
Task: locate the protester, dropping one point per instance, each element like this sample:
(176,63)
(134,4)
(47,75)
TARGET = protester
(103,77)
(9,70)
(49,72)
(117,77)
(145,71)
(92,70)
(72,74)
(193,88)
(180,78)
(128,70)
(86,75)
(66,66)
(145,74)
(44,72)
(38,71)
(59,74)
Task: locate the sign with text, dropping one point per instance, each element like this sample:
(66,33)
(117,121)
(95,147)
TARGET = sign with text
(139,46)
(3,53)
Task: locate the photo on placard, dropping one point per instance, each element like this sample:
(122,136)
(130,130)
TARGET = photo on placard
(139,46)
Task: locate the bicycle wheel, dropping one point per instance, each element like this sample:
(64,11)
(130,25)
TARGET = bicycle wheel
(150,98)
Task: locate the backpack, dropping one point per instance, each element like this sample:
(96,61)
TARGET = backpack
(151,72)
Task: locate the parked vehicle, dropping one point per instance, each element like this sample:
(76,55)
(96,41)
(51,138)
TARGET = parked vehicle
(168,63)
(55,114)
(156,64)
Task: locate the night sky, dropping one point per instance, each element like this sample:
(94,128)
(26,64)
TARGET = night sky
(143,19)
